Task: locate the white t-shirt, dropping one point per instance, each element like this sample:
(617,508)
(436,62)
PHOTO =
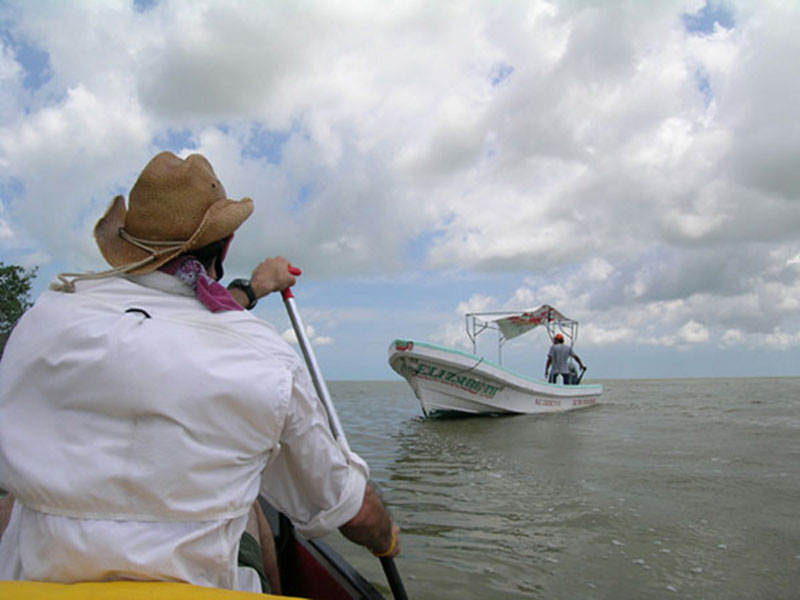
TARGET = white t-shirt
(135,444)
(560,353)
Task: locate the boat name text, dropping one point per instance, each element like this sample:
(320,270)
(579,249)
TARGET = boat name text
(457,379)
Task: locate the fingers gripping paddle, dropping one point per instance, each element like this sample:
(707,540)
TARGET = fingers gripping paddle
(389,568)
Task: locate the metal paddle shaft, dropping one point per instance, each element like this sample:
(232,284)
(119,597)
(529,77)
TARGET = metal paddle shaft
(389,568)
(313,366)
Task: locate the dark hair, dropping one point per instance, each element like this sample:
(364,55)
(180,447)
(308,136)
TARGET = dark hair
(211,254)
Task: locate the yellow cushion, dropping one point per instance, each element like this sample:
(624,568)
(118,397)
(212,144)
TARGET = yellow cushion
(119,590)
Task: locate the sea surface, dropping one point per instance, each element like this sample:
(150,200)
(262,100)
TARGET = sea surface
(673,488)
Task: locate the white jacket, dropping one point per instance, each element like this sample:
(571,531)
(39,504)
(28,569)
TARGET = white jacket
(135,445)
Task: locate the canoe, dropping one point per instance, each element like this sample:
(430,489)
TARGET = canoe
(119,590)
(309,569)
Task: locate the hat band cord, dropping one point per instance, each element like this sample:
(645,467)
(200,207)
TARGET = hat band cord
(145,245)
(68,279)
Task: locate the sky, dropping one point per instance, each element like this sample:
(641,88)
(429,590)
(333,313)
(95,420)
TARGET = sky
(634,164)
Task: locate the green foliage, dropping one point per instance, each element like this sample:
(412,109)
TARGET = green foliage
(15,288)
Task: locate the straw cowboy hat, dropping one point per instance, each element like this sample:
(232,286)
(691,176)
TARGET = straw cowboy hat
(175,206)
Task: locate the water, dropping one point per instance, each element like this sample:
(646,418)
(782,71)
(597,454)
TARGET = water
(669,489)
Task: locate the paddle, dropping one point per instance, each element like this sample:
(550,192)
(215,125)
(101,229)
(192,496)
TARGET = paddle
(577,381)
(389,568)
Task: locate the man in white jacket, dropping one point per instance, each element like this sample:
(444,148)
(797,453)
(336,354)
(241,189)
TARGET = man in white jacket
(142,410)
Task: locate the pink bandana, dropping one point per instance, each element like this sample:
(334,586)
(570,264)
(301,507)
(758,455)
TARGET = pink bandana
(211,293)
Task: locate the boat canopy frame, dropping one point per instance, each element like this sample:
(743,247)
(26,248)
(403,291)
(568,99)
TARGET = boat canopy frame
(553,321)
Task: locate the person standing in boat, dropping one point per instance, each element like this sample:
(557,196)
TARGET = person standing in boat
(143,410)
(558,359)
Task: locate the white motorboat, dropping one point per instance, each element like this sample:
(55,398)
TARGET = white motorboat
(446,380)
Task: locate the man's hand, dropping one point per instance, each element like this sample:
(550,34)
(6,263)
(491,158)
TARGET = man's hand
(272,275)
(394,549)
(373,526)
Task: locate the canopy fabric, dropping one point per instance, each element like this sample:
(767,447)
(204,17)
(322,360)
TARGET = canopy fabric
(515,325)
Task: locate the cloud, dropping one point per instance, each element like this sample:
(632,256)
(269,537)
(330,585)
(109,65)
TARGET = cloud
(452,333)
(11,75)
(316,340)
(593,335)
(774,340)
(643,181)
(693,333)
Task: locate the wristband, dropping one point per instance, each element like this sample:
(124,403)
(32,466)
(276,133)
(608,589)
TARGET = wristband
(244,285)
(387,552)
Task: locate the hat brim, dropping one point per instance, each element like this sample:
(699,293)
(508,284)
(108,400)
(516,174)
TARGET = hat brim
(221,219)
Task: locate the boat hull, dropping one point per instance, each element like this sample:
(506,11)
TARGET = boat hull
(445,381)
